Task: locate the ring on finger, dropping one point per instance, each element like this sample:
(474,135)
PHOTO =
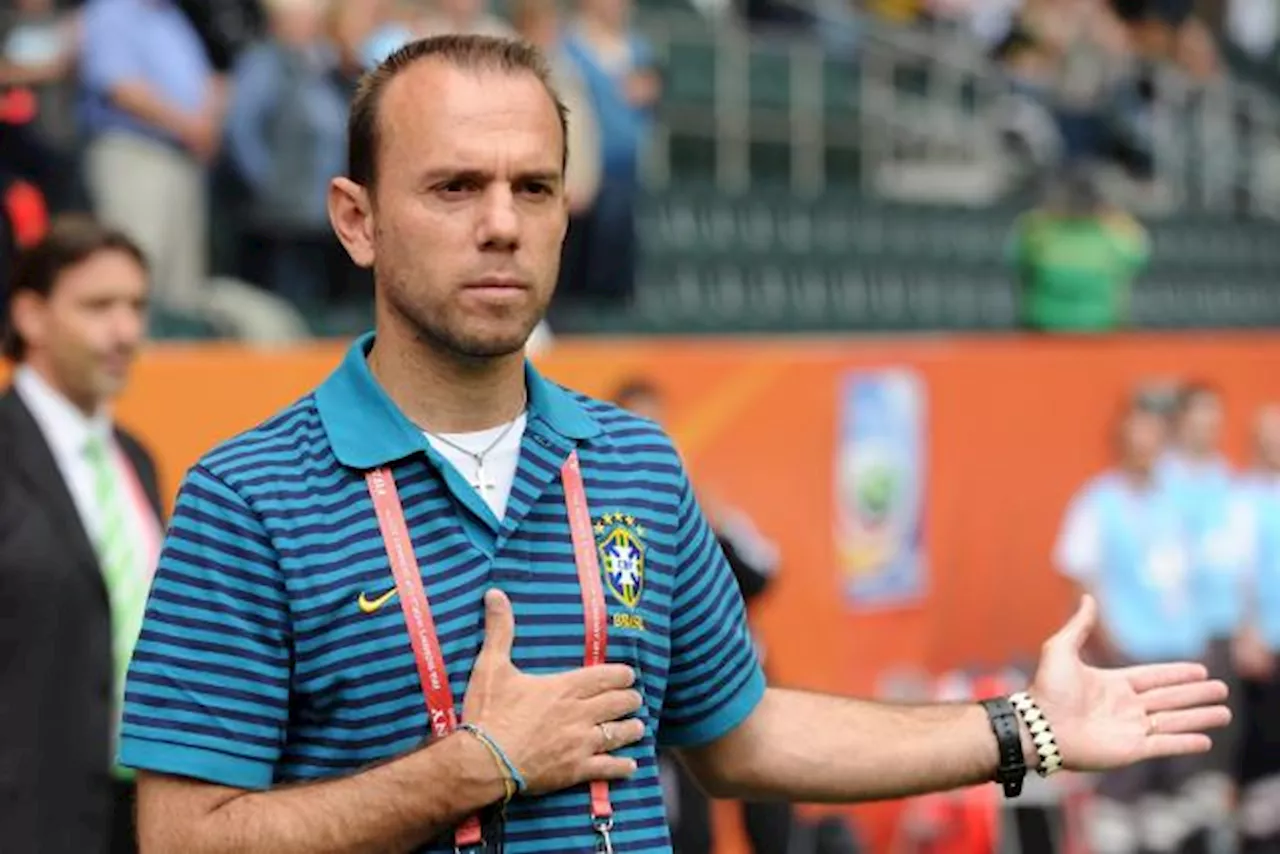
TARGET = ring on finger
(606,738)
(1152,728)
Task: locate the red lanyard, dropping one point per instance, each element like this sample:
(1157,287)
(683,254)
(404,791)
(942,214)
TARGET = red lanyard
(441,711)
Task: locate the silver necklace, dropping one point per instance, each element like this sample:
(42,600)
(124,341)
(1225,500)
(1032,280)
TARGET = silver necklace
(479,482)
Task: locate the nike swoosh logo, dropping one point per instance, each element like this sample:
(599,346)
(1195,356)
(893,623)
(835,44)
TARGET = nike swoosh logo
(368,605)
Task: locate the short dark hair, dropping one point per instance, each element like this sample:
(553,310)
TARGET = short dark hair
(466,52)
(1193,391)
(70,240)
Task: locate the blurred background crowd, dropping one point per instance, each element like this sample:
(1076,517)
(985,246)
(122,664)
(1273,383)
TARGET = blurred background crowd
(806,164)
(767,166)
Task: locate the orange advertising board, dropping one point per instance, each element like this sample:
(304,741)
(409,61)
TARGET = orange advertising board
(1013,427)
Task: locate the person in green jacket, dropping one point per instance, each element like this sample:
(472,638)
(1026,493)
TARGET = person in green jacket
(1076,257)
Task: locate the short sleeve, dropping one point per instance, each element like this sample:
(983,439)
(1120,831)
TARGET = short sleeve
(208,689)
(108,56)
(715,681)
(1078,551)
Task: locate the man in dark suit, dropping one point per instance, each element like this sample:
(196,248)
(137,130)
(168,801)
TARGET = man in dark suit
(80,525)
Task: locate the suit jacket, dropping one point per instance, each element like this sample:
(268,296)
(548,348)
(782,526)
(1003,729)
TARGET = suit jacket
(56,672)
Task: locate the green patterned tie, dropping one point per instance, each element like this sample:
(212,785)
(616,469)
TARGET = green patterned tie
(126,586)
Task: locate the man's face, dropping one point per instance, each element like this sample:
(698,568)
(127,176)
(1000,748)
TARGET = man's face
(1200,425)
(87,332)
(1143,440)
(469,211)
(1268,437)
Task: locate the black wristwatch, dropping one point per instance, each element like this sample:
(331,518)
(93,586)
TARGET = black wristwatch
(1013,766)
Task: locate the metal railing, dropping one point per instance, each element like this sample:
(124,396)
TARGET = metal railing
(1215,149)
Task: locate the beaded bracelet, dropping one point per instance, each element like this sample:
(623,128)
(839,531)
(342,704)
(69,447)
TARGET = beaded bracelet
(512,779)
(1041,733)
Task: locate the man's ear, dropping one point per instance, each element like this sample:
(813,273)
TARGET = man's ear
(29,317)
(351,214)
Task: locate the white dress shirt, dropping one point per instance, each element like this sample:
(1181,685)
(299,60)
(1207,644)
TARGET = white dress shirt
(67,430)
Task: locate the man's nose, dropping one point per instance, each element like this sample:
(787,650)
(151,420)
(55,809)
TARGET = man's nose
(499,226)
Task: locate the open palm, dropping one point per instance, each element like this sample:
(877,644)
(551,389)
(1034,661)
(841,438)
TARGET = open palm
(1107,718)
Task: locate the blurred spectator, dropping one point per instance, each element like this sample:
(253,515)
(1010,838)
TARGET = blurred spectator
(414,19)
(395,28)
(443,17)
(538,22)
(226,27)
(354,30)
(1168,30)
(286,133)
(1090,50)
(1075,258)
(1071,59)
(153,115)
(1214,519)
(1123,540)
(38,48)
(754,561)
(79,537)
(617,65)
(1259,756)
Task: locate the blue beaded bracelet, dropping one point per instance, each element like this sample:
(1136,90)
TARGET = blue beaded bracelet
(511,769)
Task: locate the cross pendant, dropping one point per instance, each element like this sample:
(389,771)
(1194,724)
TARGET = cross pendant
(480,484)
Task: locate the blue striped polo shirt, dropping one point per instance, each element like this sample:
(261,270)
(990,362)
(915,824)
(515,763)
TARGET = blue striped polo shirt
(257,665)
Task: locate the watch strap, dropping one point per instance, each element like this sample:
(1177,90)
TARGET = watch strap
(1004,720)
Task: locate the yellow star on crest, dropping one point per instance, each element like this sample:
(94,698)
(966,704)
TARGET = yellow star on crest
(600,529)
(631,521)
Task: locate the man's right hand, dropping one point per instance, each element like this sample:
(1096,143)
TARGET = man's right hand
(550,726)
(200,135)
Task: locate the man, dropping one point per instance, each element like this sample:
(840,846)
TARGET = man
(1075,258)
(152,113)
(576,611)
(1123,542)
(1215,519)
(79,536)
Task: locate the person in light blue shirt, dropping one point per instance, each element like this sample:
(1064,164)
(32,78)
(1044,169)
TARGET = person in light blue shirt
(1123,540)
(1195,469)
(1215,516)
(1258,648)
(151,112)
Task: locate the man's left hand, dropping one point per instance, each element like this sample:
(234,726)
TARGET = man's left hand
(1107,718)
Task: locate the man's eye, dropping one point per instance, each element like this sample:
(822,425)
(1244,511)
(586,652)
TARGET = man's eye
(538,188)
(457,187)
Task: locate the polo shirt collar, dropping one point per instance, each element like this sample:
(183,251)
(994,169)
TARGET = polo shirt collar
(366,429)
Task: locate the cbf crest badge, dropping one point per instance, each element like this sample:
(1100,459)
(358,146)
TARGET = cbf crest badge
(620,543)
